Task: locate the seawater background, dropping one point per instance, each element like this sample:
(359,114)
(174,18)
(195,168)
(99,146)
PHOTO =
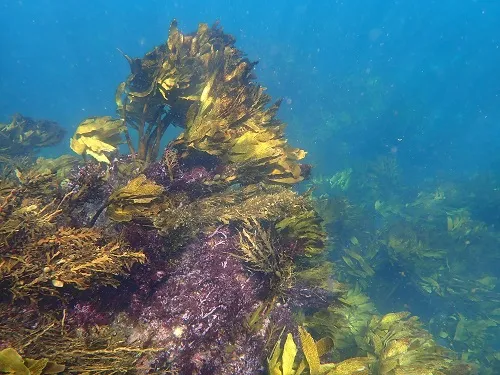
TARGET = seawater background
(422,76)
(415,80)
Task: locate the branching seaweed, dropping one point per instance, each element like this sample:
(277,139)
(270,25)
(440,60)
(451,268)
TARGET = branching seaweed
(260,251)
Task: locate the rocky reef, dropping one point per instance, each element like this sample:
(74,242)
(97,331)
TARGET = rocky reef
(198,259)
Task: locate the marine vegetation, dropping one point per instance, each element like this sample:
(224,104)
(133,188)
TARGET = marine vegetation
(425,248)
(202,83)
(197,259)
(24,136)
(97,137)
(12,362)
(392,344)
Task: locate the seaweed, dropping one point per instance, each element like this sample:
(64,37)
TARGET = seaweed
(259,249)
(75,257)
(39,257)
(201,83)
(12,363)
(25,136)
(200,261)
(133,200)
(284,361)
(97,136)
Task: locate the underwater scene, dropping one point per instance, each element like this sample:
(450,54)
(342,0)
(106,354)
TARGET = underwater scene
(270,188)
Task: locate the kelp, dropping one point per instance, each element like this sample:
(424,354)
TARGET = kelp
(470,331)
(12,363)
(98,137)
(60,167)
(253,141)
(306,228)
(359,260)
(134,200)
(392,344)
(345,322)
(339,181)
(284,361)
(200,82)
(320,274)
(401,346)
(432,245)
(24,135)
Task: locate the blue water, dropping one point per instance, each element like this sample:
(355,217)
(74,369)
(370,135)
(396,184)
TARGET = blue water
(436,63)
(418,81)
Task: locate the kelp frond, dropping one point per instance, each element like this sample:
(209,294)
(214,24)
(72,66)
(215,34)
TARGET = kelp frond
(402,346)
(98,137)
(24,135)
(12,363)
(202,83)
(133,199)
(285,360)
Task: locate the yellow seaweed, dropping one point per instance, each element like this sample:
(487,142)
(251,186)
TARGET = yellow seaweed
(97,137)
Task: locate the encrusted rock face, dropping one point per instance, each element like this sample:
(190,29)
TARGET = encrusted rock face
(198,314)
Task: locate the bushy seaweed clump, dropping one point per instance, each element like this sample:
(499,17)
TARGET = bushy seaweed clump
(196,263)
(24,136)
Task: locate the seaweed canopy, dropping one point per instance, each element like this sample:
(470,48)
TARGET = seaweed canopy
(402,346)
(201,82)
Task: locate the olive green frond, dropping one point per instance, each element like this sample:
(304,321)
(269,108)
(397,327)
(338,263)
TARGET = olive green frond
(97,137)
